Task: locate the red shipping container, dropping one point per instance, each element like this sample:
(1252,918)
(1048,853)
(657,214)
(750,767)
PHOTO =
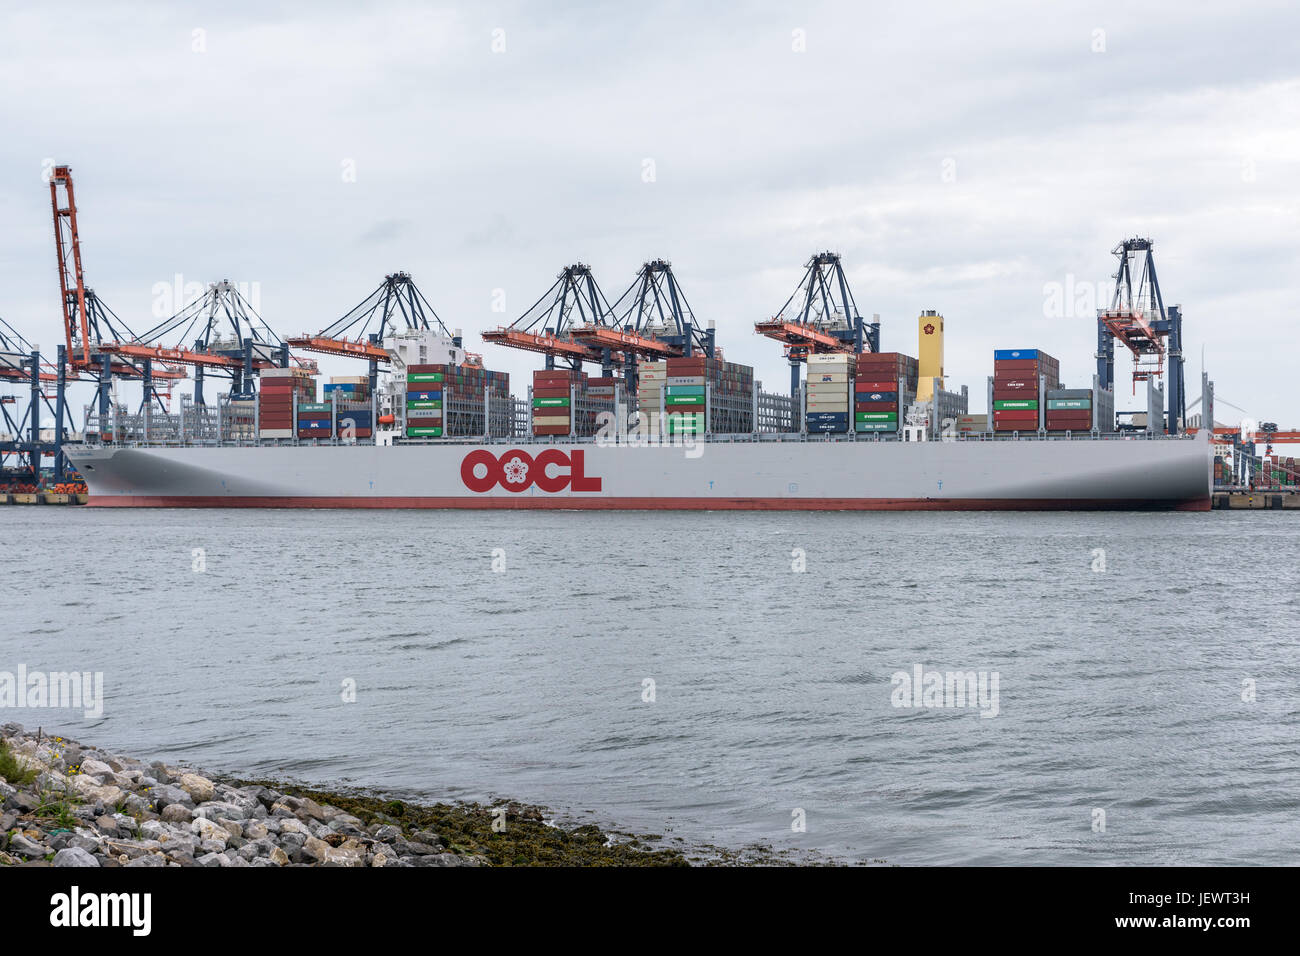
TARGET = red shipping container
(883,385)
(1015,365)
(539,392)
(1007,395)
(1015,415)
(550,429)
(423,422)
(1015,381)
(313,433)
(1069,421)
(875,406)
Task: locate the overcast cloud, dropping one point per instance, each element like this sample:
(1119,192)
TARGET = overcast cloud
(478,170)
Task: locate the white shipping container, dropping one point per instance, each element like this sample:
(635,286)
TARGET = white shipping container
(685,380)
(833,359)
(550,419)
(276,433)
(822,377)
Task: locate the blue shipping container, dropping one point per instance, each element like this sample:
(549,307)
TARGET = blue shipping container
(313,423)
(358,419)
(423,396)
(1011,355)
(876,396)
(827,418)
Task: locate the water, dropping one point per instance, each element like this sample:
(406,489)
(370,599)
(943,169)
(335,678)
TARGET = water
(1118,690)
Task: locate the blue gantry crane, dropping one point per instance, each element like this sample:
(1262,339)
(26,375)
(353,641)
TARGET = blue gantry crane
(1138,318)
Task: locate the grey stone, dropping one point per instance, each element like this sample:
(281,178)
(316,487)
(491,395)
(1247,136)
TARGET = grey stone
(73,856)
(164,795)
(22,846)
(177,813)
(209,859)
(149,859)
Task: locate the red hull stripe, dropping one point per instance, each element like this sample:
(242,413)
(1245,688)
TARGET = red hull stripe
(601,503)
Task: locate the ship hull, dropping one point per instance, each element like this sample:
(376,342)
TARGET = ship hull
(741,475)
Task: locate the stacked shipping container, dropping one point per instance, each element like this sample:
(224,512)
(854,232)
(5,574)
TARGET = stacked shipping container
(277,389)
(350,397)
(1068,409)
(830,391)
(877,404)
(698,392)
(1015,387)
(553,390)
(448,399)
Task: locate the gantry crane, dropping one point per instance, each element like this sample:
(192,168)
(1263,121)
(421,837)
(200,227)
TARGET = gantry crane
(228,337)
(1137,317)
(819,317)
(573,302)
(87,322)
(374,317)
(21,364)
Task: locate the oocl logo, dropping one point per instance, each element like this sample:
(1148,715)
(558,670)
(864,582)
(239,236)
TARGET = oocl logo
(551,471)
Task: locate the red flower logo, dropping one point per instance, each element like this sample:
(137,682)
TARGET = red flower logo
(929,329)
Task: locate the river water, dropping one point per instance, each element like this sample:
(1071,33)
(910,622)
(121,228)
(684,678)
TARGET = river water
(1146,666)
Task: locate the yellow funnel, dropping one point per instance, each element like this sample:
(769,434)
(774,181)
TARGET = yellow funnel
(929,352)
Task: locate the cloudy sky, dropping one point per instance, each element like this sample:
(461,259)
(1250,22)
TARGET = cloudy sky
(961,157)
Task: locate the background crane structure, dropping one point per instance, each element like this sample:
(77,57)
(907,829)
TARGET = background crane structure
(377,315)
(88,323)
(574,323)
(820,316)
(1137,317)
(218,332)
(21,365)
(574,301)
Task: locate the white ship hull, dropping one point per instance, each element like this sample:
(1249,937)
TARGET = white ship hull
(775,475)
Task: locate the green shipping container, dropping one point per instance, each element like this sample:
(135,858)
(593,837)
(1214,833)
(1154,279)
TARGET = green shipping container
(686,390)
(317,407)
(877,416)
(1081,403)
(876,426)
(1027,403)
(424,432)
(424,403)
(550,403)
(415,377)
(697,400)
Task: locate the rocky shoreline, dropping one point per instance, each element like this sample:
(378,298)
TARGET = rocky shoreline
(67,804)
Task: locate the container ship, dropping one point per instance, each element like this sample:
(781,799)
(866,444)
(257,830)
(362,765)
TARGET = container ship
(868,431)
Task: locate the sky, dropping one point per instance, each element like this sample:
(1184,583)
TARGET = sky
(975,159)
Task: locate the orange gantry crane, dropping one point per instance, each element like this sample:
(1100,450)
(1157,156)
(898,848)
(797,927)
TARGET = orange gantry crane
(573,322)
(91,328)
(820,317)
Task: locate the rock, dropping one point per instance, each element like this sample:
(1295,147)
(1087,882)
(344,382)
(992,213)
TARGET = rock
(386,834)
(310,808)
(149,859)
(177,813)
(22,801)
(95,768)
(74,856)
(207,831)
(279,857)
(165,795)
(107,825)
(200,789)
(23,846)
(255,831)
(428,837)
(209,859)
